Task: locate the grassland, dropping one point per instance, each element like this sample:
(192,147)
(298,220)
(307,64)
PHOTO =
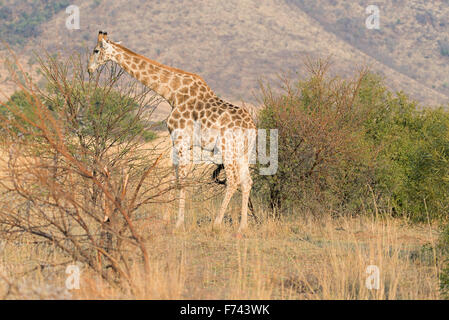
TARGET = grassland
(307,256)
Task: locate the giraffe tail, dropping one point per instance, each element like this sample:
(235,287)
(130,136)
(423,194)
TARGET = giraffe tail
(216,174)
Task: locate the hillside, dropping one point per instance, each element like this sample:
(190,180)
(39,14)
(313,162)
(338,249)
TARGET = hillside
(233,44)
(413,38)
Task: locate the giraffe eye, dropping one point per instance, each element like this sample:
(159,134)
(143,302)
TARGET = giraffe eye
(96,51)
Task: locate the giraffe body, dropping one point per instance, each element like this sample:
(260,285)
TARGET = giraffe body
(222,125)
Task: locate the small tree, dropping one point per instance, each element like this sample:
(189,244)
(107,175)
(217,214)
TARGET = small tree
(78,162)
(353,144)
(319,125)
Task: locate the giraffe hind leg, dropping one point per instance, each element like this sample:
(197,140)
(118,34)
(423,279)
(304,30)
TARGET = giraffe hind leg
(231,187)
(246,184)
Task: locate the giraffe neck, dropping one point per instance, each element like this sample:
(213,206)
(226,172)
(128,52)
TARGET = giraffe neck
(152,74)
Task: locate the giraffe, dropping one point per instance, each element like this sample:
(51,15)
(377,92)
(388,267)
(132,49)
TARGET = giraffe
(192,102)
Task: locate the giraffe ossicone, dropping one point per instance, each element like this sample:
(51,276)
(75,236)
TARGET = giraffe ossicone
(222,125)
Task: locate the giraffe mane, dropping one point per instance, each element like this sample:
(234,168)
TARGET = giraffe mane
(155,62)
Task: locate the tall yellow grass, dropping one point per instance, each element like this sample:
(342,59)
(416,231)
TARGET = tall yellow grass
(302,257)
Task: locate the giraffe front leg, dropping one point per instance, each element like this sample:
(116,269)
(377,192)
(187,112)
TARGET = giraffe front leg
(166,216)
(244,219)
(246,183)
(181,144)
(169,208)
(182,170)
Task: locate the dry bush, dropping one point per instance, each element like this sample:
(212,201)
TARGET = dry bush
(76,156)
(319,129)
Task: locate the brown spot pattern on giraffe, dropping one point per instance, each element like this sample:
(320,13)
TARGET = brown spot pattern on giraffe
(175,83)
(175,114)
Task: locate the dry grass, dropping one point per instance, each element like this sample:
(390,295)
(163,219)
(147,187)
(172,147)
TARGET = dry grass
(302,258)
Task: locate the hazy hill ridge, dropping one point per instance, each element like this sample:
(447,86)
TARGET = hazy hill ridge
(233,44)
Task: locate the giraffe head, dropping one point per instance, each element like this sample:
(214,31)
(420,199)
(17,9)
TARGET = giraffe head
(102,52)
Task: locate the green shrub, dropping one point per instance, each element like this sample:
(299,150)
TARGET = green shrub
(107,116)
(20,102)
(348,145)
(321,157)
(411,165)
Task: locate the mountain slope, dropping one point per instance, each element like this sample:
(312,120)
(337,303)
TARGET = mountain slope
(232,44)
(413,37)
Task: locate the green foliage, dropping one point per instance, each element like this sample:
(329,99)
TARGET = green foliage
(21,22)
(348,153)
(108,116)
(321,159)
(411,166)
(18,109)
(22,102)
